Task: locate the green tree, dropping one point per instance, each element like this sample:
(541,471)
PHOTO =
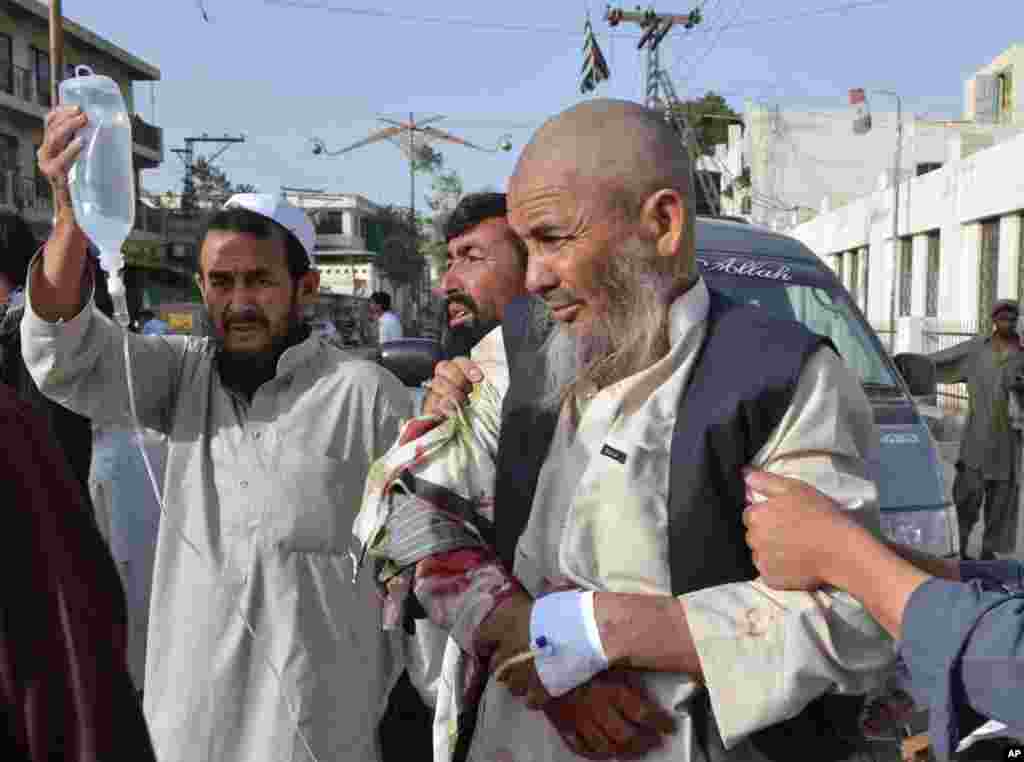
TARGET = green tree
(212,186)
(710,117)
(445,191)
(427,159)
(397,244)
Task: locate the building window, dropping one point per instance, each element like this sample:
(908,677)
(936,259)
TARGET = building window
(1020,262)
(928,166)
(1004,95)
(931,291)
(6,64)
(363,226)
(906,281)
(853,259)
(41,75)
(865,255)
(988,272)
(8,152)
(329,223)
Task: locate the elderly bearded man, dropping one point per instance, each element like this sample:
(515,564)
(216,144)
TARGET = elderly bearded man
(620,495)
(271,433)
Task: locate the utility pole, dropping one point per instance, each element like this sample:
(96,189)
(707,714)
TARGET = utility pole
(56,50)
(860,127)
(895,216)
(187,155)
(658,88)
(656,26)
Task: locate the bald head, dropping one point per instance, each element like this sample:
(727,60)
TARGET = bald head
(619,145)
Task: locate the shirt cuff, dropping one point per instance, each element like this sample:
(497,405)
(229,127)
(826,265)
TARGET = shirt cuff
(938,622)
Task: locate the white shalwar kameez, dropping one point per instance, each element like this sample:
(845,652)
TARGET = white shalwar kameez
(266,491)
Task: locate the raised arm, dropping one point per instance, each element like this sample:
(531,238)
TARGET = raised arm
(57,286)
(76,355)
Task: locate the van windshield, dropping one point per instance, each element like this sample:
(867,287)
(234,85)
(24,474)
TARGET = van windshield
(795,291)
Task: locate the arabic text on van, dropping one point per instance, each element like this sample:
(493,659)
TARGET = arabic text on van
(749,268)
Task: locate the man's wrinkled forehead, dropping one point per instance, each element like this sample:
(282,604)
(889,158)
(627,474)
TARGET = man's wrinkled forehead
(543,187)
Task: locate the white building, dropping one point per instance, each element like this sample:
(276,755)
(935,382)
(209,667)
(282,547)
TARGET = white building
(960,236)
(781,168)
(345,248)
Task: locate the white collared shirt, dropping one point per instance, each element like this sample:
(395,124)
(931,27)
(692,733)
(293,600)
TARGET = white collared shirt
(389,327)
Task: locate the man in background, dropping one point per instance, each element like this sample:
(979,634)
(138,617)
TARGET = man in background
(986,471)
(486,270)
(389,327)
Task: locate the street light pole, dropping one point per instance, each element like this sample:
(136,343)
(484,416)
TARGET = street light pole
(418,132)
(895,215)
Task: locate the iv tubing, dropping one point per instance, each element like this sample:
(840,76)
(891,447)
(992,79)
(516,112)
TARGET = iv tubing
(118,296)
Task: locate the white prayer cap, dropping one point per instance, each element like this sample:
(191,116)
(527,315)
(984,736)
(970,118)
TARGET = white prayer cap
(288,216)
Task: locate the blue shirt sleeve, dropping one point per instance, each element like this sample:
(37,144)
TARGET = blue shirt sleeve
(964,648)
(1004,573)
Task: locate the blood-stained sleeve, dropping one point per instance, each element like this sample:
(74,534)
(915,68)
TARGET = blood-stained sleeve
(766,654)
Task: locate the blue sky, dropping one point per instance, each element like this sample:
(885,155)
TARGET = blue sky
(283,71)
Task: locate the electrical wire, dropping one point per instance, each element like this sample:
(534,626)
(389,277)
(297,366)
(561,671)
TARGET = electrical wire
(843,8)
(714,43)
(322,5)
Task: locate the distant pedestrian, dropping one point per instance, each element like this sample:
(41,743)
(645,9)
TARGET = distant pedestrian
(986,471)
(389,327)
(151,325)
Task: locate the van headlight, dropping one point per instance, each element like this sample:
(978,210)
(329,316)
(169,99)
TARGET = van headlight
(930,532)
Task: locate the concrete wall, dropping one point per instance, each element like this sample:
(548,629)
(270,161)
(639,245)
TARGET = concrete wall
(813,160)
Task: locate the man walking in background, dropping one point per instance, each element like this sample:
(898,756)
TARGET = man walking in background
(986,471)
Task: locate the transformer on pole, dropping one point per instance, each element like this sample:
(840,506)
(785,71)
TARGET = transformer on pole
(659,91)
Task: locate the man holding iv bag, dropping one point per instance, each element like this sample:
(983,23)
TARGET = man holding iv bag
(258,631)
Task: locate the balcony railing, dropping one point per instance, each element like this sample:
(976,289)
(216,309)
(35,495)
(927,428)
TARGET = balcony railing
(25,193)
(21,83)
(170,223)
(146,134)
